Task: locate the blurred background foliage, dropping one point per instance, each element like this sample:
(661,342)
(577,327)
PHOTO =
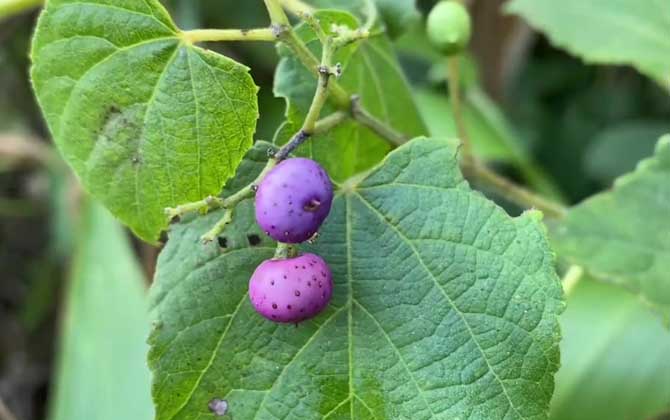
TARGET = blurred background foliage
(72,317)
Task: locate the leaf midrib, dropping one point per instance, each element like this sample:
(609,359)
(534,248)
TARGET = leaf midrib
(405,239)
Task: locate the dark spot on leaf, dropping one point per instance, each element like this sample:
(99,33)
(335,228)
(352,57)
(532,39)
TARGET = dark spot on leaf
(297,292)
(289,307)
(274,306)
(254,239)
(223,241)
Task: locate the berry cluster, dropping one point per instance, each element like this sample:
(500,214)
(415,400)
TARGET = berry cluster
(292,202)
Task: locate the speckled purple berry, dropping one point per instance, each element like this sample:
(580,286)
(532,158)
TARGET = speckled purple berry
(293,200)
(291,290)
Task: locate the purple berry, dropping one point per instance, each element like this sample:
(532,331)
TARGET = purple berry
(293,200)
(291,290)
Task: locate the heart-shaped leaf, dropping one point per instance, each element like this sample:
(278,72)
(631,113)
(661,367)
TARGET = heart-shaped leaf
(145,119)
(444,307)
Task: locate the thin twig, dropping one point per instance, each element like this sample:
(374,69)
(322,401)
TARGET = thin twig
(511,191)
(454,78)
(385,131)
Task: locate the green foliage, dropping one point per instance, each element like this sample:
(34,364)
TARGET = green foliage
(492,136)
(618,148)
(371,70)
(621,236)
(397,15)
(144,119)
(101,370)
(444,306)
(606,31)
(614,358)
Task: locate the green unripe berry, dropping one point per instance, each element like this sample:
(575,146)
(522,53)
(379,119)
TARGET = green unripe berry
(449,27)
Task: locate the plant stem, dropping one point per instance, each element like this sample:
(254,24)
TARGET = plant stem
(276,13)
(512,191)
(325,70)
(572,278)
(202,35)
(326,124)
(12,7)
(297,7)
(209,203)
(339,96)
(362,116)
(219,227)
(454,78)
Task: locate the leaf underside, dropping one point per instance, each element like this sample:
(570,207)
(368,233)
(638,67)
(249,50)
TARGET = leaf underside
(623,235)
(145,120)
(444,307)
(619,31)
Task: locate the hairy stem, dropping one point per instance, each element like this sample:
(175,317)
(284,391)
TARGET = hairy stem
(203,35)
(385,131)
(276,13)
(297,7)
(454,78)
(511,191)
(12,7)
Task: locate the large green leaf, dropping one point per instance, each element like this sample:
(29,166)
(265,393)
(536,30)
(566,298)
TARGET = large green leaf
(146,120)
(614,353)
(622,236)
(370,70)
(444,307)
(606,31)
(102,374)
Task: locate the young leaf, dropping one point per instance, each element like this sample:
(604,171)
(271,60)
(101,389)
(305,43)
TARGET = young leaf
(444,307)
(604,329)
(102,374)
(370,70)
(146,120)
(621,236)
(619,31)
(398,15)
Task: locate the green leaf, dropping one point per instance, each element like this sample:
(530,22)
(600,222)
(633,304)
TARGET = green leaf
(614,358)
(370,70)
(444,307)
(102,374)
(618,148)
(619,31)
(621,236)
(144,119)
(398,15)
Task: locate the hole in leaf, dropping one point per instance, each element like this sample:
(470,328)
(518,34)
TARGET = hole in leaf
(254,239)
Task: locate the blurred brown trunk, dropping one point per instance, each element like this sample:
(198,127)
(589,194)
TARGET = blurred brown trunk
(500,44)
